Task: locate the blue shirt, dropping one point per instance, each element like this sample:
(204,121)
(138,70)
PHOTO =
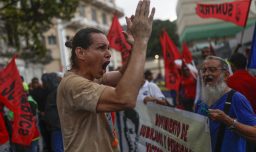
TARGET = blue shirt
(241,110)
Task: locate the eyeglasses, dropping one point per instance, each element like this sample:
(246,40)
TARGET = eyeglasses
(210,69)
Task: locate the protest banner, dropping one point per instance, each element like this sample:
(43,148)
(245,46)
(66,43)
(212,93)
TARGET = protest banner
(235,11)
(159,128)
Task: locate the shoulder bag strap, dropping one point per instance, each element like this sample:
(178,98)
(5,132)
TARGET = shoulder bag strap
(222,127)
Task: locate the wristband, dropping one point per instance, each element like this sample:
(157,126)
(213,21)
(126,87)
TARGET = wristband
(233,125)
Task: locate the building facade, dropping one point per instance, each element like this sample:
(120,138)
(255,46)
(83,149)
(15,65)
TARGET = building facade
(199,33)
(90,13)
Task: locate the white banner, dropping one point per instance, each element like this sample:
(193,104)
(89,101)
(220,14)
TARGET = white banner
(159,128)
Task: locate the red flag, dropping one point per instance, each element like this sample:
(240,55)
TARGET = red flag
(170,46)
(186,54)
(12,89)
(170,53)
(4,136)
(245,83)
(116,38)
(236,11)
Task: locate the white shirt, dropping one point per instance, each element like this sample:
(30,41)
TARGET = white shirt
(149,89)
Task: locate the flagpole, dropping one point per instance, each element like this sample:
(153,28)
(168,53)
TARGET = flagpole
(247,14)
(242,36)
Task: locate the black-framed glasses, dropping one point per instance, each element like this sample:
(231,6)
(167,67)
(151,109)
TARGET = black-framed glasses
(210,69)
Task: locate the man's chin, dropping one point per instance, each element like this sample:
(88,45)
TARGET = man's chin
(209,84)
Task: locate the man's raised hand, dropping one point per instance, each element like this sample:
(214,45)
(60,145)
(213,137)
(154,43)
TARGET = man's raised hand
(141,25)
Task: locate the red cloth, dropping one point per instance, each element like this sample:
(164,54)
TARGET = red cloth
(169,46)
(186,54)
(245,83)
(4,136)
(170,54)
(116,38)
(12,89)
(236,11)
(36,133)
(189,86)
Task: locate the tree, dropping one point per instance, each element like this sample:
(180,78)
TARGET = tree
(154,46)
(25,21)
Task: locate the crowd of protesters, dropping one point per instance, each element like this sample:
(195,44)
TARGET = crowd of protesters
(42,99)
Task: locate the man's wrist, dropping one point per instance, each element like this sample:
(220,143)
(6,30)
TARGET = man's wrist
(233,125)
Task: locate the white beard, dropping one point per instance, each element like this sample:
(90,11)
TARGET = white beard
(210,94)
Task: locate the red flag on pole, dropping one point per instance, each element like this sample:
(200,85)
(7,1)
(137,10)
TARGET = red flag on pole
(235,12)
(117,40)
(170,54)
(170,46)
(186,54)
(12,89)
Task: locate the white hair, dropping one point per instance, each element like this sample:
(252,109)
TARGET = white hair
(211,93)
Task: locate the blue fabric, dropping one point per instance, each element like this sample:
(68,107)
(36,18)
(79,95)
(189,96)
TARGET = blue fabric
(34,147)
(56,141)
(252,58)
(241,110)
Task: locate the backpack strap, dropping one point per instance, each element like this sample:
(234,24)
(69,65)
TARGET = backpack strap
(222,127)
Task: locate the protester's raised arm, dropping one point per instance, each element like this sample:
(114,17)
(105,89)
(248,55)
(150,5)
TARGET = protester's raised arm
(125,94)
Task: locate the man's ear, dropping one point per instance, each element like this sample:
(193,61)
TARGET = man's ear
(80,53)
(226,75)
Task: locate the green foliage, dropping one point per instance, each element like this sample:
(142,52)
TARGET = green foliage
(154,46)
(25,21)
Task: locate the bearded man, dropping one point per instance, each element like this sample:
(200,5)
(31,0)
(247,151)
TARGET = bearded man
(239,123)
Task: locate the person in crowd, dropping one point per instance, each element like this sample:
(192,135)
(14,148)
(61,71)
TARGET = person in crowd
(148,75)
(25,84)
(34,147)
(86,92)
(232,120)
(34,83)
(51,82)
(187,91)
(206,51)
(39,94)
(243,82)
(150,92)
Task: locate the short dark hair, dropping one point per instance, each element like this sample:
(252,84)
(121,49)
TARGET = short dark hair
(147,73)
(238,60)
(133,116)
(35,79)
(81,39)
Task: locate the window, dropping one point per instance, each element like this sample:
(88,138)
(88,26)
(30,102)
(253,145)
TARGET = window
(52,40)
(104,19)
(94,15)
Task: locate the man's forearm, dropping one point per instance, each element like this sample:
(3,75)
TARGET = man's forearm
(133,76)
(249,132)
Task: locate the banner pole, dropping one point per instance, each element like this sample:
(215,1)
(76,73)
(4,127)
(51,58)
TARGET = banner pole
(242,36)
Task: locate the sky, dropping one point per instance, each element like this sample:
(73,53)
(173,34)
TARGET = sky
(165,9)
